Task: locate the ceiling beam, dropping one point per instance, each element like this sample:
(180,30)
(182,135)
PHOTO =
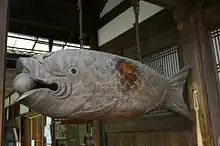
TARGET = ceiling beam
(170,4)
(48,19)
(211,20)
(53,13)
(148,27)
(42,31)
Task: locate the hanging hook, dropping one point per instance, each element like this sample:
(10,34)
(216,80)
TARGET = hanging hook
(196,108)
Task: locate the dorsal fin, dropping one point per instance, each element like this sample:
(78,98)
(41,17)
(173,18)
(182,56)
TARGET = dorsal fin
(158,68)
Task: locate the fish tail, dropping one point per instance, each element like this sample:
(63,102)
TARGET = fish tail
(174,100)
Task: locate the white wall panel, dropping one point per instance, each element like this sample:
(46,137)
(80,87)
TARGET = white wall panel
(124,22)
(6,104)
(23,109)
(10,101)
(14,97)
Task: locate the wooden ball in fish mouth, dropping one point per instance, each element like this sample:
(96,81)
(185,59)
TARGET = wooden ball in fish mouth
(23,83)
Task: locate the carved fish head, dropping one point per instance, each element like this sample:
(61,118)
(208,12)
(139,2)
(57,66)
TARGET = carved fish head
(44,80)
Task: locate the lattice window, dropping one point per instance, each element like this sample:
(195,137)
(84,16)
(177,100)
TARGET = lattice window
(169,61)
(67,135)
(215,35)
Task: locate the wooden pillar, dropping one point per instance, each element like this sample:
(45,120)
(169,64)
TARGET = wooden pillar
(198,54)
(3,34)
(97,131)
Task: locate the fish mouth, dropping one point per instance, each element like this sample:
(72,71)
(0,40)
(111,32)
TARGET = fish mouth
(27,85)
(38,87)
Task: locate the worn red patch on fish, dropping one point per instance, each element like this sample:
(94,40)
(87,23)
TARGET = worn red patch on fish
(128,72)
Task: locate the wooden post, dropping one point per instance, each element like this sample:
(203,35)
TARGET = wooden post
(97,131)
(198,54)
(3,34)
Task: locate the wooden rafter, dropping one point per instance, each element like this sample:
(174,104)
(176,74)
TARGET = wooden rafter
(170,3)
(57,19)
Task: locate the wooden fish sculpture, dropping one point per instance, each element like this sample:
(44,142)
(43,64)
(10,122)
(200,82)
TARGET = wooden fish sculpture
(92,85)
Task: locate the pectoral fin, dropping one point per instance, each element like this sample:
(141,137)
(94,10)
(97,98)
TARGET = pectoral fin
(95,114)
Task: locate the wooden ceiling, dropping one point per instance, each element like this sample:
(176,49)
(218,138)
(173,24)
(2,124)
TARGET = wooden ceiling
(59,20)
(54,19)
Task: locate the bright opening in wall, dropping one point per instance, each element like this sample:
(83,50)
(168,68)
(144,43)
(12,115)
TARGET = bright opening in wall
(33,44)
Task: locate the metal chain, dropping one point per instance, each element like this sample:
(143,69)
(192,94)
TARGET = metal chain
(81,37)
(136,9)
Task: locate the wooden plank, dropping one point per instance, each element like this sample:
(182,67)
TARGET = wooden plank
(149,139)
(211,20)
(97,132)
(198,54)
(148,125)
(170,4)
(3,32)
(150,44)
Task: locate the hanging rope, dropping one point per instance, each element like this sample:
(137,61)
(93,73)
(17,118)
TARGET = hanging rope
(136,9)
(81,37)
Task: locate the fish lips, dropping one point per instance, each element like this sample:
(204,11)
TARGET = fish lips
(59,88)
(63,90)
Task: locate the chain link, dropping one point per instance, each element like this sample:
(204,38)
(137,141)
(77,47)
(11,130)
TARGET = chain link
(136,9)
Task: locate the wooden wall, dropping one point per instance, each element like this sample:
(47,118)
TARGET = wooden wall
(173,131)
(149,139)
(147,133)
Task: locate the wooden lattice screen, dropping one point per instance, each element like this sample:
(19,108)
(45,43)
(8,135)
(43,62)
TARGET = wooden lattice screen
(215,35)
(168,59)
(33,130)
(67,135)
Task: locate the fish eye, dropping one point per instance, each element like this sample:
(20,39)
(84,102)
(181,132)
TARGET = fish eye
(73,71)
